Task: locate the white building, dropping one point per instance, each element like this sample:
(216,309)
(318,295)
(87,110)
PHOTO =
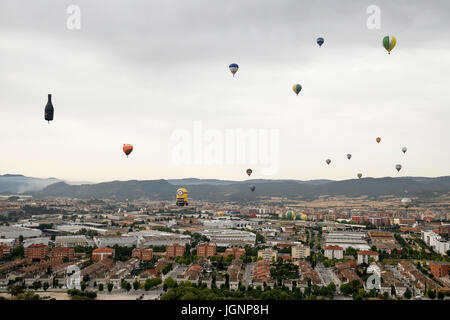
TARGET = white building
(230,237)
(73,241)
(15,232)
(364,256)
(148,238)
(334,252)
(112,241)
(435,241)
(346,239)
(268,254)
(300,251)
(29,242)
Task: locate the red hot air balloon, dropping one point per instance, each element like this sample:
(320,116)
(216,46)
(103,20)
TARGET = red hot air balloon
(127,148)
(378,140)
(328,161)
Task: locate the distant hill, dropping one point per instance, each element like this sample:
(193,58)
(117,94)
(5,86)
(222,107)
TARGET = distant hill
(16,183)
(196,181)
(239,191)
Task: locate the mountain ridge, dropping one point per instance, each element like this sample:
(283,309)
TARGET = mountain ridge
(239,190)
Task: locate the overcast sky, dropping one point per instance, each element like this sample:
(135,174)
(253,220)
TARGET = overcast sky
(138,71)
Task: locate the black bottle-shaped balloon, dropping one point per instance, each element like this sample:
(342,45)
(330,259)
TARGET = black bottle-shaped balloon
(49,109)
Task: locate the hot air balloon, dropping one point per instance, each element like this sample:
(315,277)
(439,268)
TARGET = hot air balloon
(49,110)
(378,139)
(398,167)
(404,149)
(297,88)
(359,175)
(406,202)
(320,41)
(389,43)
(328,161)
(290,215)
(252,187)
(233,68)
(349,156)
(249,171)
(127,148)
(182,197)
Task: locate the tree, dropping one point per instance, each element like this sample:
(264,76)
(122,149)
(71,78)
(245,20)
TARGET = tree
(150,283)
(440,295)
(46,286)
(37,285)
(431,294)
(100,287)
(407,294)
(136,285)
(110,287)
(21,238)
(128,286)
(170,282)
(83,285)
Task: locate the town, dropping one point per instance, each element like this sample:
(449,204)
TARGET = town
(330,248)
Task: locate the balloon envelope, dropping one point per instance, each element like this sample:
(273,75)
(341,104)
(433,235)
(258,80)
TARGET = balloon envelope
(406,202)
(49,110)
(378,139)
(249,171)
(359,175)
(127,148)
(233,68)
(297,88)
(398,167)
(404,149)
(389,43)
(349,156)
(320,41)
(252,187)
(328,161)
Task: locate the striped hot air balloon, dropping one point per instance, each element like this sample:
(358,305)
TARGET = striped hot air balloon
(389,43)
(233,68)
(320,41)
(297,88)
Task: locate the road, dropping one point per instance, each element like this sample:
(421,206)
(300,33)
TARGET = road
(248,274)
(178,269)
(323,273)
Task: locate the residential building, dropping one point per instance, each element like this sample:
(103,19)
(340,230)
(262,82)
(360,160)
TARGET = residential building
(102,254)
(143,254)
(175,250)
(268,254)
(334,252)
(36,251)
(300,251)
(4,250)
(206,249)
(236,252)
(365,256)
(61,252)
(440,269)
(262,271)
